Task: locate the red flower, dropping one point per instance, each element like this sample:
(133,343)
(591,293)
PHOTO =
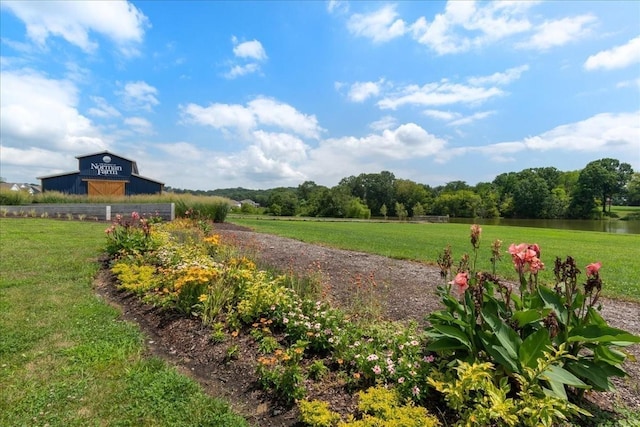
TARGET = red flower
(593,268)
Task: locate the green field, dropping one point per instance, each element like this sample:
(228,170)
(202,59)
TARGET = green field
(65,357)
(618,253)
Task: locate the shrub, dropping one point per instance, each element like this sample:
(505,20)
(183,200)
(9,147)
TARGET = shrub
(135,278)
(357,209)
(317,414)
(480,397)
(379,407)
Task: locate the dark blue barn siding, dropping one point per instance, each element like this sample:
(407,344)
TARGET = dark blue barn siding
(69,184)
(138,185)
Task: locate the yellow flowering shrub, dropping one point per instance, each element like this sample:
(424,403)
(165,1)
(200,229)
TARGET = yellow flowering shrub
(474,393)
(381,407)
(317,414)
(136,278)
(263,296)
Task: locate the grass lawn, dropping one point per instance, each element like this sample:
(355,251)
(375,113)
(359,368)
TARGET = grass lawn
(65,358)
(619,253)
(624,211)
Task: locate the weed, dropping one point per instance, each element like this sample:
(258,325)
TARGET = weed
(217,334)
(232,353)
(318,370)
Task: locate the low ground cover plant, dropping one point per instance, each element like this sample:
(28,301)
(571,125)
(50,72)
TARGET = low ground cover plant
(497,354)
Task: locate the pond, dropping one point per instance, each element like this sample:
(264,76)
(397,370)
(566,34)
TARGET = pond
(605,225)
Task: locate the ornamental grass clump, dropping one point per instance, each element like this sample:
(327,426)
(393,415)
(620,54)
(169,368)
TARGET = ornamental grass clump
(513,327)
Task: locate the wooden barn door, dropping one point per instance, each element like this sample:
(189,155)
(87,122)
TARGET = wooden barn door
(105,188)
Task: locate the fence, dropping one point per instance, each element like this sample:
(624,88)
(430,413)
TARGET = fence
(95,211)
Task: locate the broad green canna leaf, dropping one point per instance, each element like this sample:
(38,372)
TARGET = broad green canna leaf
(595,318)
(507,337)
(554,301)
(599,333)
(525,317)
(502,356)
(561,375)
(595,374)
(609,355)
(454,333)
(533,348)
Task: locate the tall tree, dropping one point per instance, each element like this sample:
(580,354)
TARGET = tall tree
(531,197)
(283,201)
(411,194)
(633,190)
(603,180)
(375,189)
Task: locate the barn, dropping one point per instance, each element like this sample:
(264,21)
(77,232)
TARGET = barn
(102,174)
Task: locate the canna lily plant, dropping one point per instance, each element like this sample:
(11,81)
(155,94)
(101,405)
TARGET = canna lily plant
(514,325)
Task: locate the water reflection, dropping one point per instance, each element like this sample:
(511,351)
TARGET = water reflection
(605,226)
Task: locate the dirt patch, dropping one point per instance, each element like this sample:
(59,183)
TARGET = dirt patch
(399,290)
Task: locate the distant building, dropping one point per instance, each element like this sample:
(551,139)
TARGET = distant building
(102,174)
(29,188)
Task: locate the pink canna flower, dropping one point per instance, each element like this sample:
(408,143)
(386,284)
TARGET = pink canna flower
(536,265)
(460,282)
(526,257)
(593,268)
(515,249)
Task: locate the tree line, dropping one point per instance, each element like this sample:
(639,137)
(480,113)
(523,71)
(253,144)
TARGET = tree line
(531,193)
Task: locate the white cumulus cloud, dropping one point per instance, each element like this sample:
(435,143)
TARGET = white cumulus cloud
(140,95)
(380,26)
(260,111)
(465,25)
(252,49)
(74,21)
(102,108)
(41,128)
(42,112)
(437,94)
(560,32)
(360,91)
(498,78)
(139,125)
(249,57)
(406,141)
(616,57)
(601,133)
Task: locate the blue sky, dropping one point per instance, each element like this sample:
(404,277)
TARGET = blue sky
(207,95)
